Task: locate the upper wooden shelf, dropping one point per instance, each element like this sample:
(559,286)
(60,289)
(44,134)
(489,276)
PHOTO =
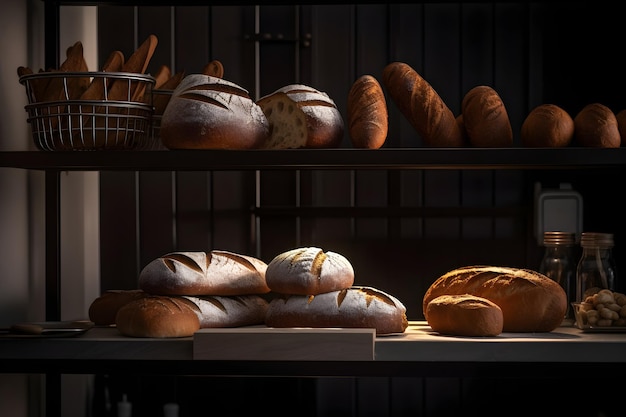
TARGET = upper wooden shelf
(390,158)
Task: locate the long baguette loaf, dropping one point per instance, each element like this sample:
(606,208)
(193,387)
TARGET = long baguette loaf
(204,273)
(368,121)
(355,307)
(530,301)
(309,271)
(418,101)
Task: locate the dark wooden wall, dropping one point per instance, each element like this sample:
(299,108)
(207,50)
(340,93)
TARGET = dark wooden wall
(400,229)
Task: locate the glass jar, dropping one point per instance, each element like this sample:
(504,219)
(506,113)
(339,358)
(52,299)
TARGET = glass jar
(596,268)
(559,264)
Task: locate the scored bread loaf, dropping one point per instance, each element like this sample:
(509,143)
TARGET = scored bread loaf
(530,301)
(595,126)
(355,307)
(204,273)
(103,309)
(368,121)
(547,126)
(158,316)
(309,271)
(230,311)
(485,118)
(300,116)
(208,112)
(420,104)
(464,315)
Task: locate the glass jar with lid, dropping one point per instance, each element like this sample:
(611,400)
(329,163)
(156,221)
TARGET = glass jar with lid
(596,268)
(559,263)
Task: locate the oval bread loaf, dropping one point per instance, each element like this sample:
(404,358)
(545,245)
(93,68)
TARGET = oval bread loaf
(595,126)
(530,301)
(103,309)
(464,315)
(368,121)
(230,311)
(300,116)
(420,104)
(309,271)
(355,307)
(485,118)
(206,112)
(158,316)
(547,126)
(204,273)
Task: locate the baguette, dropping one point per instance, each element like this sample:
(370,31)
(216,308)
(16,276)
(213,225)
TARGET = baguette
(420,104)
(368,120)
(530,301)
(355,307)
(204,273)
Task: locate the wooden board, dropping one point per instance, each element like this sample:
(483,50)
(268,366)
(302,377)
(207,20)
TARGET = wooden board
(284,344)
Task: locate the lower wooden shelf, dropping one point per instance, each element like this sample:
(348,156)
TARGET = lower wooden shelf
(261,351)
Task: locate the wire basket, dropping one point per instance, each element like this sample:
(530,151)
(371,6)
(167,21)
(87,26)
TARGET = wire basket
(160,98)
(63,118)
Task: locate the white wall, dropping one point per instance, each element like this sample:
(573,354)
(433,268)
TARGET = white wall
(22,284)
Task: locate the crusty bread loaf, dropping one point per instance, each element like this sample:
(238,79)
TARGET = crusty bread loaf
(530,301)
(420,104)
(102,310)
(230,311)
(547,126)
(207,112)
(368,120)
(204,273)
(485,118)
(355,307)
(464,315)
(158,316)
(595,126)
(309,271)
(301,117)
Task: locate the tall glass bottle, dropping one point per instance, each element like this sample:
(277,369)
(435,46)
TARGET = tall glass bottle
(596,268)
(559,264)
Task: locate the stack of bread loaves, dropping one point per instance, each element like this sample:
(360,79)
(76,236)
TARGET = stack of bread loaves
(315,289)
(182,292)
(487,300)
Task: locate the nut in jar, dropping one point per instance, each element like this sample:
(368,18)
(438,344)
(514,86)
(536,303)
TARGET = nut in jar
(602,309)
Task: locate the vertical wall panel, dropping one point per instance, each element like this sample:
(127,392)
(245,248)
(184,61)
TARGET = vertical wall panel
(156,217)
(193,210)
(156,21)
(192,47)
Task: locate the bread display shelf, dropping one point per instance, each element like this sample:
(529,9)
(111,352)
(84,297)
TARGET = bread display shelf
(343,158)
(305,352)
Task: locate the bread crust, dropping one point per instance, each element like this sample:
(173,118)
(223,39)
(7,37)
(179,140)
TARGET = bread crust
(368,120)
(208,112)
(355,307)
(547,126)
(204,273)
(464,315)
(103,309)
(309,271)
(485,118)
(420,104)
(230,311)
(159,317)
(530,301)
(595,126)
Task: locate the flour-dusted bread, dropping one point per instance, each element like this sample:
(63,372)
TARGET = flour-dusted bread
(309,271)
(208,112)
(158,316)
(355,307)
(230,311)
(301,116)
(204,273)
(464,315)
(530,301)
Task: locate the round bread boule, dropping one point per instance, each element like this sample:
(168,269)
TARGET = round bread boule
(595,126)
(547,126)
(464,315)
(485,118)
(309,271)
